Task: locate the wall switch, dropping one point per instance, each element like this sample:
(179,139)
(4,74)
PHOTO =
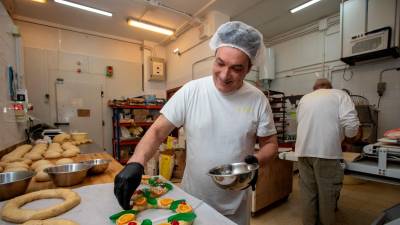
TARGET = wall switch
(381,88)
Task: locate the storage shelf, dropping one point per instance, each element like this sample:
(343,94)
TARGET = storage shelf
(138,124)
(128,142)
(118,122)
(156,107)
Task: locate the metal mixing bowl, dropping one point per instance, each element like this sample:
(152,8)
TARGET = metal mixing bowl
(98,165)
(234,176)
(68,174)
(13,184)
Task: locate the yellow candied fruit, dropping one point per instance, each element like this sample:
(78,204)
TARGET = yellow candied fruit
(122,220)
(184,208)
(140,201)
(166,201)
(164,224)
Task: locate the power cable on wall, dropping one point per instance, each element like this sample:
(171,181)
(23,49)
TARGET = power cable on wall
(344,74)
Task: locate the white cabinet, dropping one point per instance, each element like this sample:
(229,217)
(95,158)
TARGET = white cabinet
(381,13)
(353,17)
(369,29)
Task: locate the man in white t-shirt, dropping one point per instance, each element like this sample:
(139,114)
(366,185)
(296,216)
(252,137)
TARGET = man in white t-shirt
(324,117)
(222,116)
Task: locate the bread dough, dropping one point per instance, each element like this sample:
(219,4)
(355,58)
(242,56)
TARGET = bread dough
(64,161)
(13,212)
(50,222)
(16,154)
(42,177)
(17,164)
(33,156)
(38,163)
(42,167)
(15,169)
(60,138)
(69,153)
(27,161)
(67,145)
(52,155)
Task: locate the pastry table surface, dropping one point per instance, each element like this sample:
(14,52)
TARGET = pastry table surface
(107,177)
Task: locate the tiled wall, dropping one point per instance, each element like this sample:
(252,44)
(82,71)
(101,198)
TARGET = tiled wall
(11,132)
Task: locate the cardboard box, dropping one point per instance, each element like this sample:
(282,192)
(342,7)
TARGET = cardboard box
(180,163)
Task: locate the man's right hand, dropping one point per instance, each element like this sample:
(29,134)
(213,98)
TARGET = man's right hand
(126,182)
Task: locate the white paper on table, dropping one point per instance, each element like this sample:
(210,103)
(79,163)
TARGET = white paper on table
(98,203)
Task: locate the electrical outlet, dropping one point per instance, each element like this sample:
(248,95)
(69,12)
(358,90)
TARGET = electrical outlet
(381,88)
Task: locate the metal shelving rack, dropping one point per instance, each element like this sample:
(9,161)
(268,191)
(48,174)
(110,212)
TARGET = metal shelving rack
(117,124)
(277,101)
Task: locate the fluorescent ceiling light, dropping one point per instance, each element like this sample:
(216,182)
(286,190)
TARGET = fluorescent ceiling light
(150,27)
(305,5)
(84,7)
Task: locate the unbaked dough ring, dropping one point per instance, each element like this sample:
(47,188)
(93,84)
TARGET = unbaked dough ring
(12,211)
(50,222)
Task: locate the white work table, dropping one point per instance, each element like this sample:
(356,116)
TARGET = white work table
(98,203)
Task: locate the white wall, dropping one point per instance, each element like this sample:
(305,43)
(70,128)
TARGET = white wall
(11,132)
(183,68)
(300,60)
(54,53)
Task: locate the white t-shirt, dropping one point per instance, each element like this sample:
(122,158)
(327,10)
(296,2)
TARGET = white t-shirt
(219,129)
(324,117)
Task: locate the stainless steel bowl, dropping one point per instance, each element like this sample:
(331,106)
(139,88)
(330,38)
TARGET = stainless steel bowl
(13,184)
(234,176)
(68,174)
(98,165)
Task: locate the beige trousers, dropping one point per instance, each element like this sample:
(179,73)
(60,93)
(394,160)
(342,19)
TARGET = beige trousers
(320,185)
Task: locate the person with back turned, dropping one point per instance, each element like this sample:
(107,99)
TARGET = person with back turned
(324,117)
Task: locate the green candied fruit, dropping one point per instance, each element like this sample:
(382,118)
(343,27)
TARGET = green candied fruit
(117,215)
(151,200)
(147,222)
(188,217)
(174,204)
(168,186)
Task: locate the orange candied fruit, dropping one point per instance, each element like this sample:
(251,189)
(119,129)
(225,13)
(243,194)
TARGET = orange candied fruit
(184,208)
(122,220)
(141,201)
(166,201)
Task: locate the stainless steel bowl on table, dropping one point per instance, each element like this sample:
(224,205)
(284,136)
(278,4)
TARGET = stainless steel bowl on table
(98,165)
(13,184)
(68,174)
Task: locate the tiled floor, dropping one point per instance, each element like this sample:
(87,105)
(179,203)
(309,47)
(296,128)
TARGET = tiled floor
(359,204)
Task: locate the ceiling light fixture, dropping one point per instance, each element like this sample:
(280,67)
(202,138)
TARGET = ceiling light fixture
(84,7)
(150,27)
(40,1)
(305,5)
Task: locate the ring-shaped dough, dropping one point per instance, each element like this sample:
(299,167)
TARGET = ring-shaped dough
(12,211)
(50,222)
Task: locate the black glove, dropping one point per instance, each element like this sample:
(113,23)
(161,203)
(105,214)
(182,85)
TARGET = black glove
(251,159)
(126,182)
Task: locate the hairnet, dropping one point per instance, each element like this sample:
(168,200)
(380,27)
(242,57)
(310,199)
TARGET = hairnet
(239,35)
